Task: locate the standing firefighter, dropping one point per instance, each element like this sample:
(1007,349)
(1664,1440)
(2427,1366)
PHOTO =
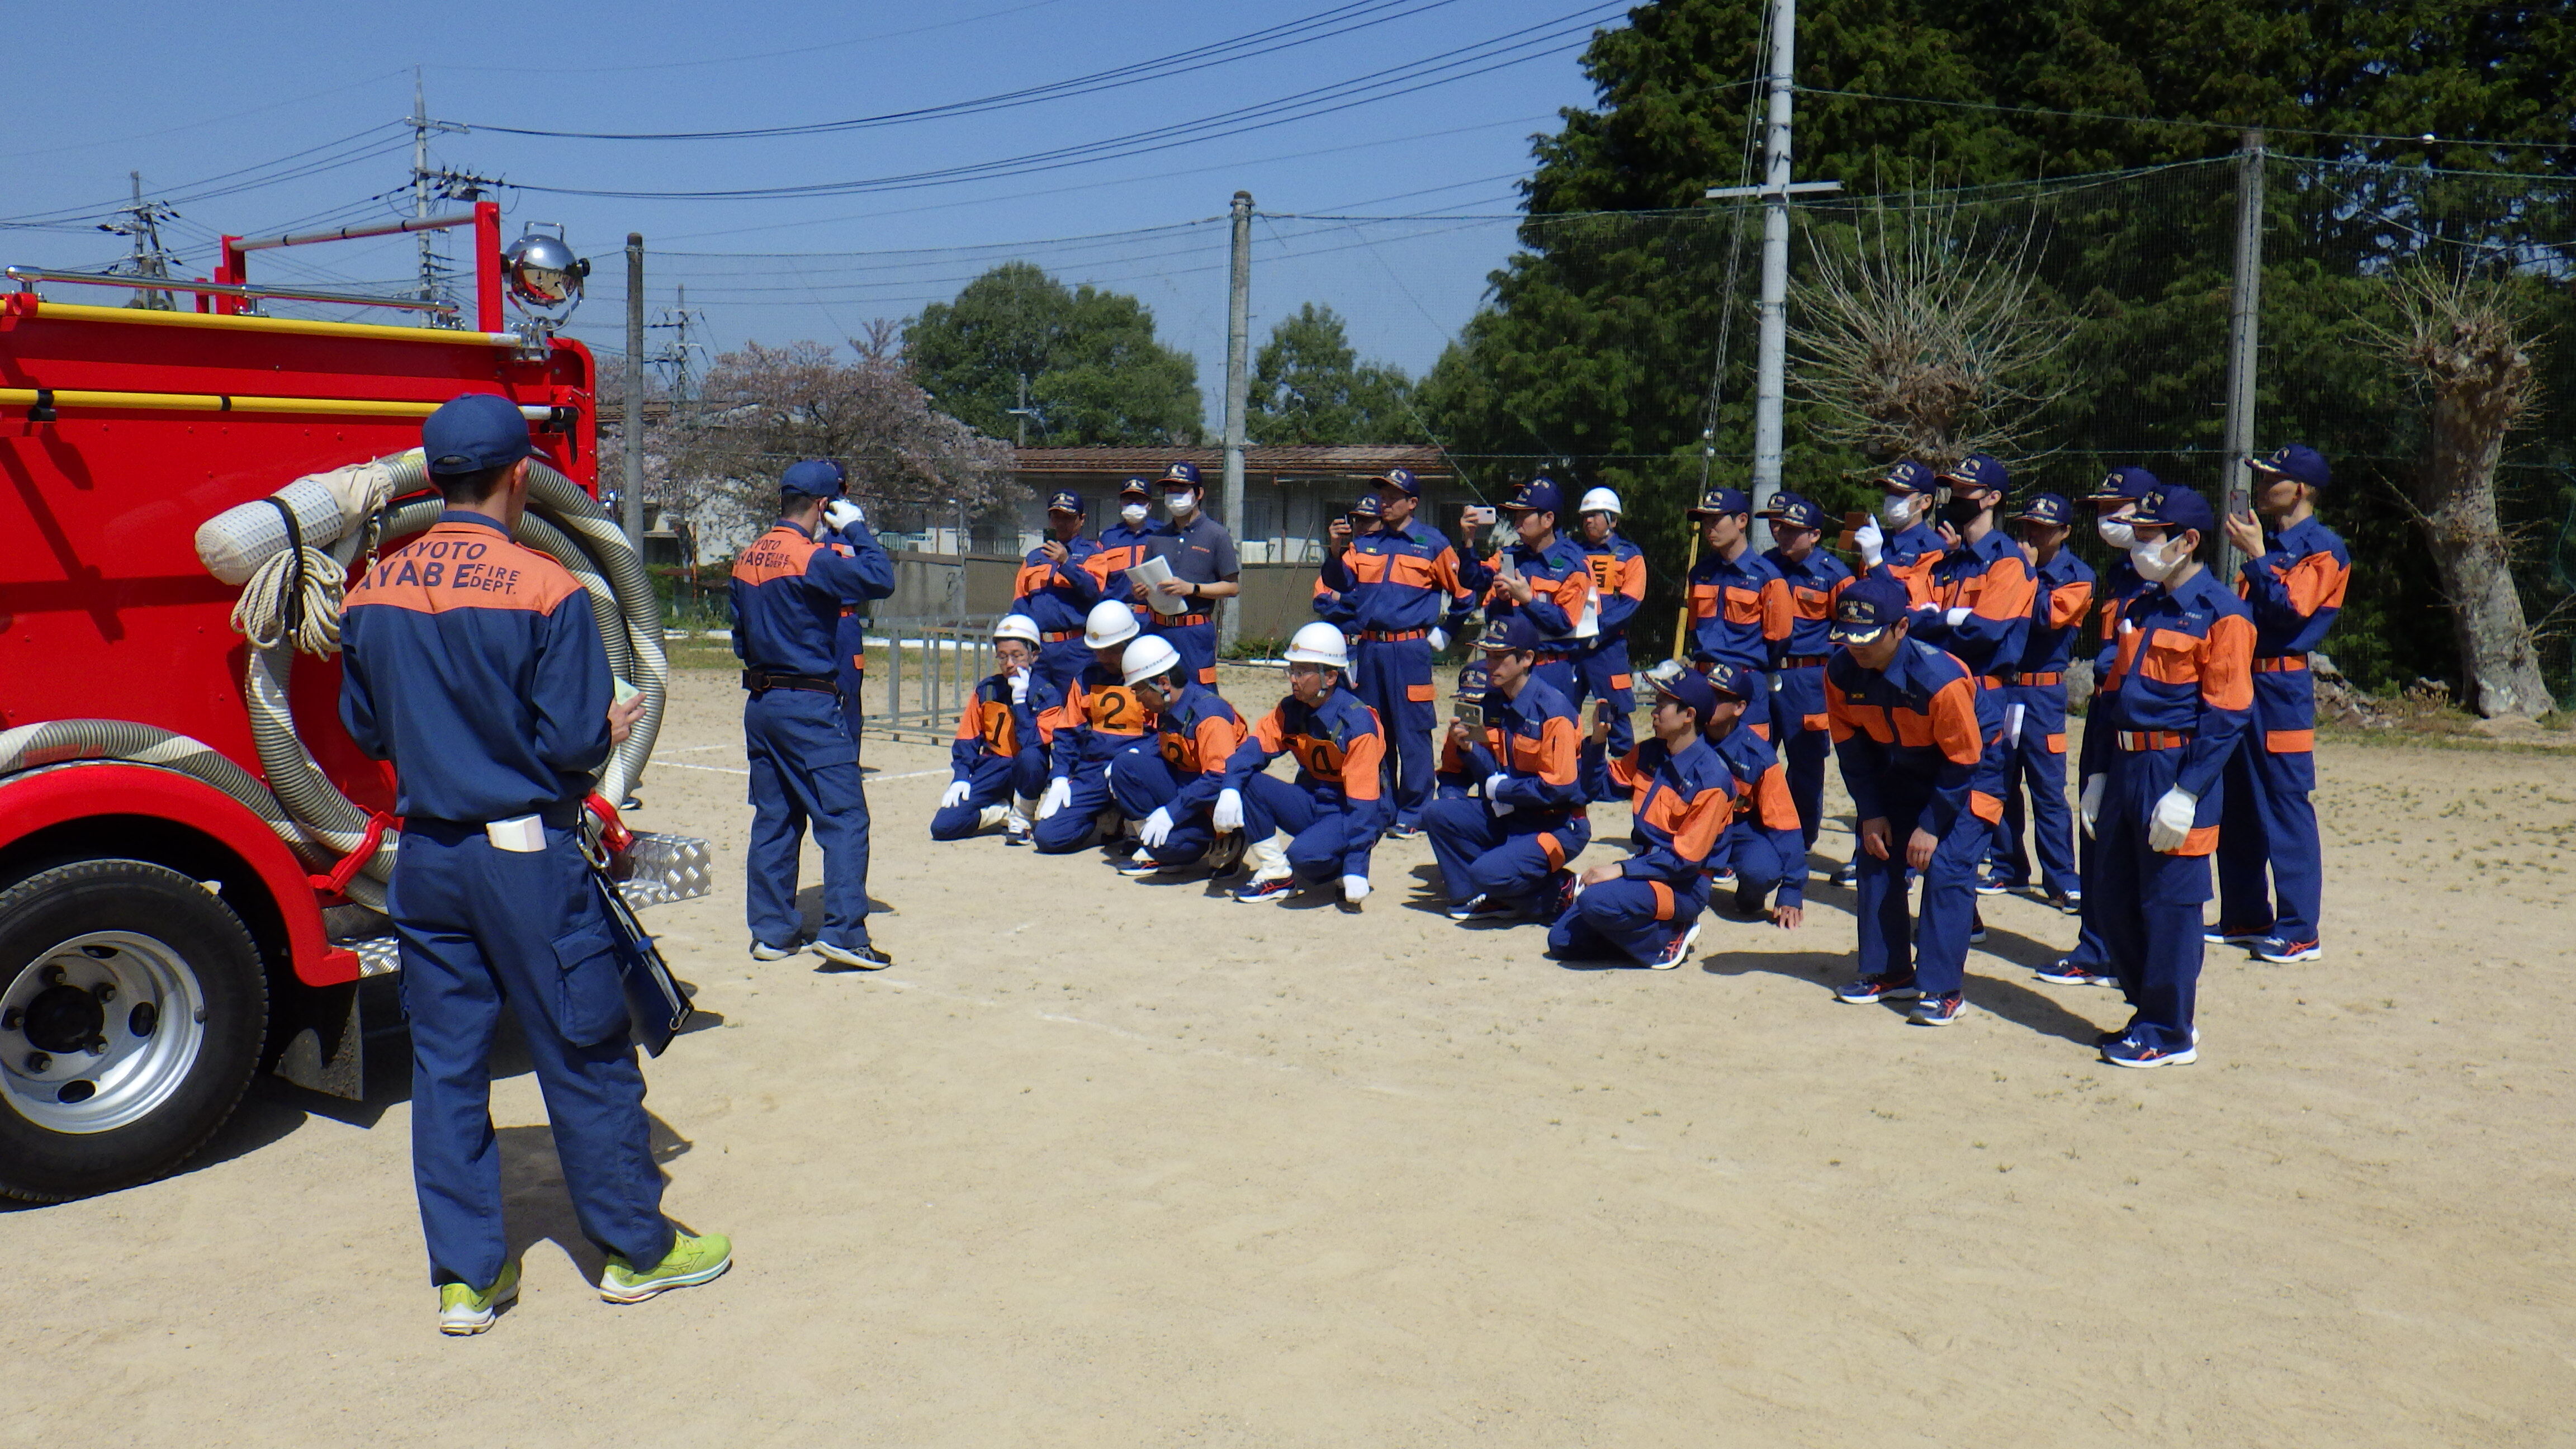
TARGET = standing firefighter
(1399,591)
(2035,713)
(1897,543)
(476,667)
(1619,584)
(1542,579)
(2295,574)
(1201,555)
(787,592)
(1057,589)
(2185,670)
(1799,728)
(1739,603)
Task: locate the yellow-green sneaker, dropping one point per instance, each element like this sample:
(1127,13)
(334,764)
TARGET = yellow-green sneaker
(691,1261)
(463,1309)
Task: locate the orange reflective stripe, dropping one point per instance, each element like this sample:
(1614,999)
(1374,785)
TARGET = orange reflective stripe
(2227,663)
(2201,841)
(1988,808)
(2290,742)
(2315,582)
(2057,744)
(1663,899)
(2067,602)
(1953,723)
(1360,765)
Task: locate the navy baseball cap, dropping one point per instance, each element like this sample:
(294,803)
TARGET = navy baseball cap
(1690,689)
(1515,632)
(1135,488)
(1909,476)
(2298,462)
(1065,500)
(1869,604)
(2121,485)
(1725,679)
(1538,495)
(1795,510)
(813,478)
(1721,500)
(1182,473)
(2174,508)
(2045,508)
(473,433)
(1365,508)
(1473,678)
(1401,479)
(1981,470)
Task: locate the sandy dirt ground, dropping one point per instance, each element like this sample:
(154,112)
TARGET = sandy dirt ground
(1102,1162)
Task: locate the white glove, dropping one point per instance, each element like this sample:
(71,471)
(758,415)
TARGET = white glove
(1355,888)
(955,795)
(1439,641)
(1493,792)
(841,513)
(2089,805)
(1956,617)
(1059,794)
(2172,823)
(1019,686)
(1871,542)
(1228,814)
(1156,829)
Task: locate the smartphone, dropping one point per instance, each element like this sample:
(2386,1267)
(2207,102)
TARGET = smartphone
(1479,514)
(1470,715)
(1604,712)
(2239,504)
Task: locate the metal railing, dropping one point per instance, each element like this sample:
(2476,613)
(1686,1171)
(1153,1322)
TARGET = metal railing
(930,667)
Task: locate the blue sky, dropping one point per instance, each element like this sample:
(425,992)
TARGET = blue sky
(190,93)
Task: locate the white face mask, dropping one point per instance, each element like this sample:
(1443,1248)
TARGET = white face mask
(1896,510)
(1180,503)
(2155,562)
(2116,532)
(1133,513)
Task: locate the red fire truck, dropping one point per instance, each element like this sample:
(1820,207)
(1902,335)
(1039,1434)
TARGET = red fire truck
(192,852)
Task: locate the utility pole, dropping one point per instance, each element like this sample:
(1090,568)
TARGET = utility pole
(421,128)
(2244,316)
(1238,384)
(631,496)
(1771,349)
(143,224)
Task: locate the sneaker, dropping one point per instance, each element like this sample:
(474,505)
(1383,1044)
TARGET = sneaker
(1977,928)
(1481,908)
(1140,867)
(1402,831)
(2066,973)
(1938,1010)
(2071,902)
(1878,988)
(763,951)
(2235,935)
(2286,953)
(861,957)
(1560,890)
(1723,880)
(1016,831)
(1277,888)
(1679,947)
(1995,885)
(1849,875)
(2126,1052)
(691,1261)
(463,1310)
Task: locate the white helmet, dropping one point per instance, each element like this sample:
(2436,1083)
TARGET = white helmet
(1320,643)
(1016,626)
(1149,658)
(1600,500)
(1111,623)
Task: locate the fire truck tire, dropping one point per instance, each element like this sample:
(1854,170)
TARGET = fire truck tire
(132,1011)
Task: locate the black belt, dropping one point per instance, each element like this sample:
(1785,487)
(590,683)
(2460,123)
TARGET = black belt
(761,681)
(1179,620)
(1802,661)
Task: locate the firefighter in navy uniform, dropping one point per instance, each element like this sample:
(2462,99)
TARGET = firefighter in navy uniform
(475,666)
(850,635)
(788,590)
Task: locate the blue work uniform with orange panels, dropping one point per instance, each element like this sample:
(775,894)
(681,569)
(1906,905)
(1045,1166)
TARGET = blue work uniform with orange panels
(2035,737)
(999,753)
(2296,591)
(2112,591)
(1337,806)
(1057,596)
(2184,697)
(1122,546)
(1196,735)
(787,593)
(1504,846)
(1395,586)
(1764,842)
(1741,613)
(1603,672)
(1799,729)
(1921,748)
(1990,578)
(476,667)
(1680,804)
(1099,720)
(1560,583)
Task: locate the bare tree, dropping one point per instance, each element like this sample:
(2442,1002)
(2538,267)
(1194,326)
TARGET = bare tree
(763,408)
(1923,339)
(2465,341)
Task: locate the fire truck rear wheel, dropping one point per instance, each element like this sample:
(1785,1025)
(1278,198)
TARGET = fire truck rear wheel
(132,1010)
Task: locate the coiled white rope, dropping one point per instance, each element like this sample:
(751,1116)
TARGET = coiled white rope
(270,601)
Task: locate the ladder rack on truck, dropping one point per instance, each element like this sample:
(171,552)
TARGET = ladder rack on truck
(192,851)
